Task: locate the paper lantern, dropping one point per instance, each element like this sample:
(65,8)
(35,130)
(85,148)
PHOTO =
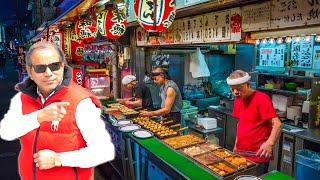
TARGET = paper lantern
(111,23)
(164,14)
(86,30)
(77,47)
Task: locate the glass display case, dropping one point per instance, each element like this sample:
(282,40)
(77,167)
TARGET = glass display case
(99,85)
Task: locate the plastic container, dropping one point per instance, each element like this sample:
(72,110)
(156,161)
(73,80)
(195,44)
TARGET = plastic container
(307,165)
(208,123)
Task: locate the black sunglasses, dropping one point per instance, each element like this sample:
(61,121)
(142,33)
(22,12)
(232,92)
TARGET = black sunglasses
(156,73)
(41,68)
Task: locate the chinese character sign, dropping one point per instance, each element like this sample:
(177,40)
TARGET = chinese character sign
(155,15)
(86,30)
(111,23)
(67,42)
(77,47)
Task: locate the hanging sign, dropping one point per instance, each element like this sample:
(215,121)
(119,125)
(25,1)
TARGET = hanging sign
(302,52)
(58,39)
(256,17)
(217,26)
(288,13)
(86,30)
(155,15)
(67,42)
(192,29)
(111,23)
(273,57)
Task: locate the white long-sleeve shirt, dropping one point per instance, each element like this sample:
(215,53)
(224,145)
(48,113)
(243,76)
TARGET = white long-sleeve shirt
(99,146)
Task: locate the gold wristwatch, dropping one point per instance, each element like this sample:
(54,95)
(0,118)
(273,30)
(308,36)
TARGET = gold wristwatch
(57,160)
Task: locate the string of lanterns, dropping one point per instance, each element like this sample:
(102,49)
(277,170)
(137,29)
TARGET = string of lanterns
(287,39)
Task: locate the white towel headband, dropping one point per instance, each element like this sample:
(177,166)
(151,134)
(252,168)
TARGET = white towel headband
(238,81)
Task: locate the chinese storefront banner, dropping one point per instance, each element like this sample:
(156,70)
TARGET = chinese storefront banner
(111,23)
(224,26)
(77,76)
(58,39)
(67,42)
(256,17)
(86,30)
(155,15)
(289,13)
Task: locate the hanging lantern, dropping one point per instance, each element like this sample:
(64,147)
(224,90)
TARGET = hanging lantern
(155,15)
(86,30)
(111,23)
(77,47)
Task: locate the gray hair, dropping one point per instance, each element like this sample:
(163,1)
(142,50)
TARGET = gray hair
(44,45)
(237,74)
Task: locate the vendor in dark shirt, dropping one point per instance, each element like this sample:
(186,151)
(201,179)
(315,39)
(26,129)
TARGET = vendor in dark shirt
(141,93)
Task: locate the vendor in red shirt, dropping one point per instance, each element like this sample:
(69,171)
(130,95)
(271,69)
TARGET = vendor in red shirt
(259,126)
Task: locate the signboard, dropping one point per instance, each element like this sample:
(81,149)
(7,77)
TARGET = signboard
(288,13)
(302,52)
(273,57)
(192,29)
(188,2)
(256,17)
(224,26)
(217,26)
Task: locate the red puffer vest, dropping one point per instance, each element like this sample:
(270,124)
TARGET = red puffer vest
(67,138)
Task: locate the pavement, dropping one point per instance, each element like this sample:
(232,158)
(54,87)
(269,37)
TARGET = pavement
(9,150)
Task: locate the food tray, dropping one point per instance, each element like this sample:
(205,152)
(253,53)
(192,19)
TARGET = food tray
(207,158)
(183,141)
(193,151)
(222,168)
(210,146)
(239,161)
(223,153)
(141,133)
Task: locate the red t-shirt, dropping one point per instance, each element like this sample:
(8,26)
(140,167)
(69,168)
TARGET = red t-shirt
(254,127)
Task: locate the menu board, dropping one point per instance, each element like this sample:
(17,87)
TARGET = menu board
(216,26)
(256,17)
(273,57)
(288,13)
(192,29)
(302,52)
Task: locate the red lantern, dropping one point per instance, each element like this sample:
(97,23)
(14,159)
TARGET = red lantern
(77,47)
(86,30)
(111,23)
(155,19)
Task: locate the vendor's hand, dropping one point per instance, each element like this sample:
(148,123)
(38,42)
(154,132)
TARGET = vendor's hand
(265,150)
(53,112)
(44,159)
(146,113)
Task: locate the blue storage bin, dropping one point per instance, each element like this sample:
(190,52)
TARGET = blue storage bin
(307,165)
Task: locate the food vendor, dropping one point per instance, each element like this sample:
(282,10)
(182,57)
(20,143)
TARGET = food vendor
(142,96)
(259,127)
(171,98)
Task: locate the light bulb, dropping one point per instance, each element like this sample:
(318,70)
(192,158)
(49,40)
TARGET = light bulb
(271,41)
(279,40)
(297,39)
(308,38)
(288,39)
(257,41)
(317,38)
(264,41)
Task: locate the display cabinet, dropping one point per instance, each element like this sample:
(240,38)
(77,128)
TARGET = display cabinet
(300,88)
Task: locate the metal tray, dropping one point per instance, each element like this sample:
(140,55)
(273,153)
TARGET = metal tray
(171,141)
(186,151)
(241,166)
(226,173)
(213,159)
(209,146)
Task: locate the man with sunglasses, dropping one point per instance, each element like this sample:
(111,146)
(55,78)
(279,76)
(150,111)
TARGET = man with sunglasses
(141,93)
(57,121)
(171,104)
(259,127)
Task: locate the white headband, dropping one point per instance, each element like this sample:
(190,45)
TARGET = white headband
(238,81)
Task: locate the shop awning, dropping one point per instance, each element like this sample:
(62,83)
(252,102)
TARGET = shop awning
(68,16)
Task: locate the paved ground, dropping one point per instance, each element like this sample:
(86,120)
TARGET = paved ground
(9,150)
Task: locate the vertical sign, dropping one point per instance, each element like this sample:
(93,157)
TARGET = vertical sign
(256,17)
(302,52)
(216,26)
(273,57)
(287,13)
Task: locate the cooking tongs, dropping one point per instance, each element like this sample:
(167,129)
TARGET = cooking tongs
(246,153)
